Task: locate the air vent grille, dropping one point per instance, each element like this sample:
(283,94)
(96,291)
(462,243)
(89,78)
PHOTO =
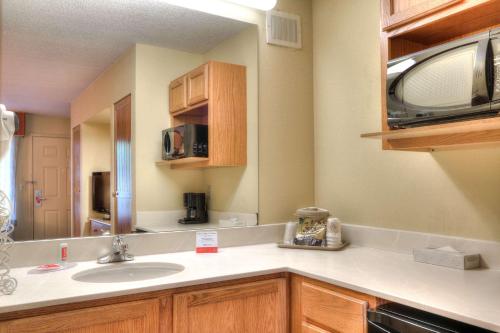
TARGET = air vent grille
(283,29)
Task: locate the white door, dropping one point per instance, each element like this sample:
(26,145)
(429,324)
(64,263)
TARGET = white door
(51,173)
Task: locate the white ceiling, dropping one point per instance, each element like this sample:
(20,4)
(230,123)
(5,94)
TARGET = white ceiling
(52,49)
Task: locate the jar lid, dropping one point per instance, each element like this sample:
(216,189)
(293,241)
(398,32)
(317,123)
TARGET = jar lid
(313,212)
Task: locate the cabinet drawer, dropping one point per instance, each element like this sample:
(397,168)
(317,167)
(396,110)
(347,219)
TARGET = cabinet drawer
(332,310)
(177,94)
(197,81)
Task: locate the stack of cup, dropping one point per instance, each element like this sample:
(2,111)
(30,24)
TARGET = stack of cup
(333,232)
(290,230)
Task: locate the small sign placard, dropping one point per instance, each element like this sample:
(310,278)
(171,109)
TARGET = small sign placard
(206,242)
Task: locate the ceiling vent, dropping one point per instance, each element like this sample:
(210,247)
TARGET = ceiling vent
(283,29)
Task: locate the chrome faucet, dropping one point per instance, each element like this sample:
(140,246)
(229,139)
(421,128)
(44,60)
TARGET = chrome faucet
(118,252)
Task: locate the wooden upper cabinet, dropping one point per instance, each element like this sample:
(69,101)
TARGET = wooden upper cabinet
(217,97)
(178,94)
(399,12)
(131,317)
(252,307)
(197,85)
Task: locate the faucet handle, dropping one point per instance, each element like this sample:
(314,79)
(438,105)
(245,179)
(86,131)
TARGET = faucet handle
(119,244)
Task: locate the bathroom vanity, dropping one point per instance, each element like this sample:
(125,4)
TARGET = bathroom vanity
(257,288)
(257,304)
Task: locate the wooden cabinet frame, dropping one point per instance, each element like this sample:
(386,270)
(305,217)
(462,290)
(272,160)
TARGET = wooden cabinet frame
(445,23)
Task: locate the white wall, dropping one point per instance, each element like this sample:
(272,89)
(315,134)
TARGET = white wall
(453,193)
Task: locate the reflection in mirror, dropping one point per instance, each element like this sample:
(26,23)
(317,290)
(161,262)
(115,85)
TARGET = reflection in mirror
(138,118)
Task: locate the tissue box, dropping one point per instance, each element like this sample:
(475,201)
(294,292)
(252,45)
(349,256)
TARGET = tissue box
(447,258)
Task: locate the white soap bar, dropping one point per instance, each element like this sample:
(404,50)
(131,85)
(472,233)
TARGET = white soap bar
(447,257)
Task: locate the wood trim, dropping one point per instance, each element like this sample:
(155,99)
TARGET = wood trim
(392,20)
(21,131)
(191,109)
(76,183)
(122,161)
(473,11)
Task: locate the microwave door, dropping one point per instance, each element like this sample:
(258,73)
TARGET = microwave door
(441,83)
(495,72)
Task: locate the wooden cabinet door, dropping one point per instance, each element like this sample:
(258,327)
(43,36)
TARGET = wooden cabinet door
(177,94)
(317,307)
(247,308)
(197,82)
(399,12)
(130,317)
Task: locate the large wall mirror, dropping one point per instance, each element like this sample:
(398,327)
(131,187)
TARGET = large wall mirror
(128,124)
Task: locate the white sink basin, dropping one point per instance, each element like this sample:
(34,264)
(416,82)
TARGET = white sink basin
(127,272)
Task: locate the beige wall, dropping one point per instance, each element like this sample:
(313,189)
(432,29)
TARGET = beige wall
(286,121)
(159,187)
(452,193)
(35,125)
(39,124)
(95,150)
(286,154)
(236,189)
(113,84)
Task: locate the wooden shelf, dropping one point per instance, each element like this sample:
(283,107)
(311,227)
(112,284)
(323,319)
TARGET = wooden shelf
(442,136)
(185,163)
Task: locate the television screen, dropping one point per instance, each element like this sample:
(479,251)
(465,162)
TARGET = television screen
(101,192)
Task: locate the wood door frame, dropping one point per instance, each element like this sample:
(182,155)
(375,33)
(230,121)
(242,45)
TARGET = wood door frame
(76,223)
(114,215)
(31,202)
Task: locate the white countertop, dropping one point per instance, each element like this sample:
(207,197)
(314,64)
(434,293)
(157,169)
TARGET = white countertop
(469,296)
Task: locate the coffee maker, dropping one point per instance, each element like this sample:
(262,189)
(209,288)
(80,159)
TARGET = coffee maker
(196,208)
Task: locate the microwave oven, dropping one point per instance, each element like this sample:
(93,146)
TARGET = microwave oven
(453,81)
(189,140)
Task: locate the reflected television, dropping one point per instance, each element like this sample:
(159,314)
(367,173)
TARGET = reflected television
(101,192)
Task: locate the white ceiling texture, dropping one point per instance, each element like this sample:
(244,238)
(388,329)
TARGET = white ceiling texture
(52,49)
